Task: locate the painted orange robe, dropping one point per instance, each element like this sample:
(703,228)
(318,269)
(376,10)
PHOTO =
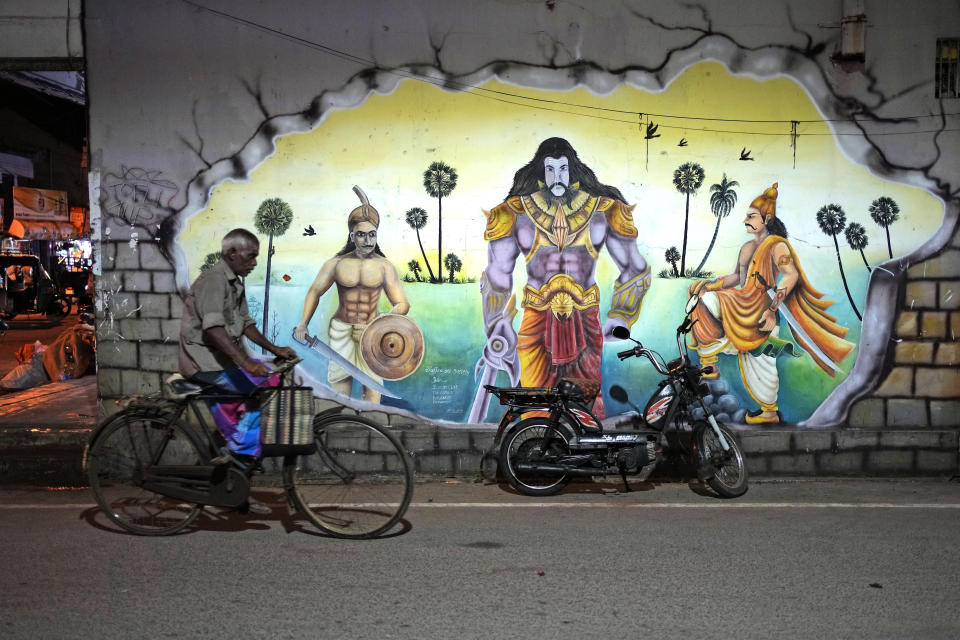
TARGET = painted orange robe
(741,310)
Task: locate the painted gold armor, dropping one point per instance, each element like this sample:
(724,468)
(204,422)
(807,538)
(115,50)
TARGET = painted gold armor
(627,297)
(562,295)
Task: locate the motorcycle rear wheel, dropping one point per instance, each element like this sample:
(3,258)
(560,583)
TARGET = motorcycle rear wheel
(523,443)
(728,471)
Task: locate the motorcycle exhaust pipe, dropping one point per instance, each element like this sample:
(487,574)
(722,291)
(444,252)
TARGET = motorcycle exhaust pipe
(557,469)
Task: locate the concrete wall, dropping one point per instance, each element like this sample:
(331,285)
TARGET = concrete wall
(184,98)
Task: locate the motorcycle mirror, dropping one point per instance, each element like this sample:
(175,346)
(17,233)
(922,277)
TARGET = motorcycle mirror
(692,303)
(621,332)
(619,394)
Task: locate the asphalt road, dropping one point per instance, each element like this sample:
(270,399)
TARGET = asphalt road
(809,559)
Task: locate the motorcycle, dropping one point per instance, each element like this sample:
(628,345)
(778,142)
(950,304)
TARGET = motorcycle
(549,436)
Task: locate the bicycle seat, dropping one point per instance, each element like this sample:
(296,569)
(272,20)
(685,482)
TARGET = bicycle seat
(181,387)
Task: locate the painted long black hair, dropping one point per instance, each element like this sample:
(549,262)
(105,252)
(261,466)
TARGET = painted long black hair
(525,181)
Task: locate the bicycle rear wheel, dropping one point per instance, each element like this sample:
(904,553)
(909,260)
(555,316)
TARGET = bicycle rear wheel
(116,461)
(359,482)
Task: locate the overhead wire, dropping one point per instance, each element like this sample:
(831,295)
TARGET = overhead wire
(502,96)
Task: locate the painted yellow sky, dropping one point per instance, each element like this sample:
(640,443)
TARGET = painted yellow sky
(385,145)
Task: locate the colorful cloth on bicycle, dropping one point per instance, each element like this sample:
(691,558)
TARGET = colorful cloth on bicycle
(239,420)
(345,340)
(216,299)
(551,348)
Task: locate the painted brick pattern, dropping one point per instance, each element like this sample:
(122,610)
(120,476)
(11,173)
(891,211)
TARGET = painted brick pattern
(922,388)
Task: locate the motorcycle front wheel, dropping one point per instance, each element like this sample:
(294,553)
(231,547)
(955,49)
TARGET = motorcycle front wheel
(531,441)
(725,471)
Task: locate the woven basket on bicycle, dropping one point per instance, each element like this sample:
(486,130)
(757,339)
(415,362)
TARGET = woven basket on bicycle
(286,421)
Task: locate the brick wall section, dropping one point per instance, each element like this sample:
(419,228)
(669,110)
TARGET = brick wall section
(139,326)
(922,389)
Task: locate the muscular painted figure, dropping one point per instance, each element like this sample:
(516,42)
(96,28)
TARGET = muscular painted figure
(738,315)
(559,217)
(362,274)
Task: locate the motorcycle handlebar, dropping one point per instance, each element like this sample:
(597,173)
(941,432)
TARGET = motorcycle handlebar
(623,355)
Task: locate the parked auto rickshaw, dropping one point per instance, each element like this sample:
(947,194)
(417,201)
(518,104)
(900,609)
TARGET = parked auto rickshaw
(28,288)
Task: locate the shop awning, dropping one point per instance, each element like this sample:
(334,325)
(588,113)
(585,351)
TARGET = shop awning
(42,230)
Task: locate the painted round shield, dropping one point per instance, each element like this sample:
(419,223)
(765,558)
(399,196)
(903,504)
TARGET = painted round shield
(392,346)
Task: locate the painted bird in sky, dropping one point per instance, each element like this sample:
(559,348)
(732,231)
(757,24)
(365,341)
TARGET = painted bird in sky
(682,143)
(308,231)
(651,131)
(745,154)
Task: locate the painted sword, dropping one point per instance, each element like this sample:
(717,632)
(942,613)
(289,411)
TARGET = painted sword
(494,359)
(795,327)
(317,346)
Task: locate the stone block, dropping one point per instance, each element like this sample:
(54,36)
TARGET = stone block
(109,382)
(453,440)
(435,464)
(158,356)
(954,333)
(912,352)
(176,306)
(843,463)
(170,330)
(108,255)
(109,331)
(949,294)
(483,440)
(136,281)
(938,382)
(152,259)
(794,464)
(898,383)
(868,413)
(420,441)
(140,329)
(945,413)
(127,257)
(893,461)
(857,439)
(110,280)
(141,382)
(908,324)
(933,324)
(907,412)
(119,354)
(945,265)
(765,442)
(163,282)
(466,463)
(917,439)
(120,305)
(921,294)
(937,462)
(154,305)
(948,353)
(807,441)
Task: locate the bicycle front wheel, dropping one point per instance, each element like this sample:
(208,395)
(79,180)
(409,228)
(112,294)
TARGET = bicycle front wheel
(359,482)
(117,459)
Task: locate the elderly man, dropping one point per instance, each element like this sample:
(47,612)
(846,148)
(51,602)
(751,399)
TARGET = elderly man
(215,319)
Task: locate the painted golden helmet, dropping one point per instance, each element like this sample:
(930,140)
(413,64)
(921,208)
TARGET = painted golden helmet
(364,213)
(766,203)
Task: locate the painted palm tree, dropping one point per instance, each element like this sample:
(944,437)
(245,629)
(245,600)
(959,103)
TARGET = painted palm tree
(722,200)
(453,264)
(857,239)
(273,218)
(885,212)
(415,269)
(672,255)
(416,220)
(439,180)
(687,179)
(832,220)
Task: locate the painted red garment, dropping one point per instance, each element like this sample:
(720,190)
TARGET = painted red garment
(551,348)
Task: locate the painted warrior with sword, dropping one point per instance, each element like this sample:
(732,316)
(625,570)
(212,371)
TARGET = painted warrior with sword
(362,274)
(737,313)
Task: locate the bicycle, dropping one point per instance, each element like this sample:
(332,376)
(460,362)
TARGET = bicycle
(152,473)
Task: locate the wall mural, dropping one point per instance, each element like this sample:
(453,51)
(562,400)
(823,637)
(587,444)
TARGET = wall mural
(427,240)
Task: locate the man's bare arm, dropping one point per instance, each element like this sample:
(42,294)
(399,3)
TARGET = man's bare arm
(394,289)
(789,276)
(496,285)
(323,281)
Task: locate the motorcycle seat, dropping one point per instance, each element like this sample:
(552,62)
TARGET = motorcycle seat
(584,388)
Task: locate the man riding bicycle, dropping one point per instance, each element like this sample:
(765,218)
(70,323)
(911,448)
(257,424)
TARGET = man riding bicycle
(215,319)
